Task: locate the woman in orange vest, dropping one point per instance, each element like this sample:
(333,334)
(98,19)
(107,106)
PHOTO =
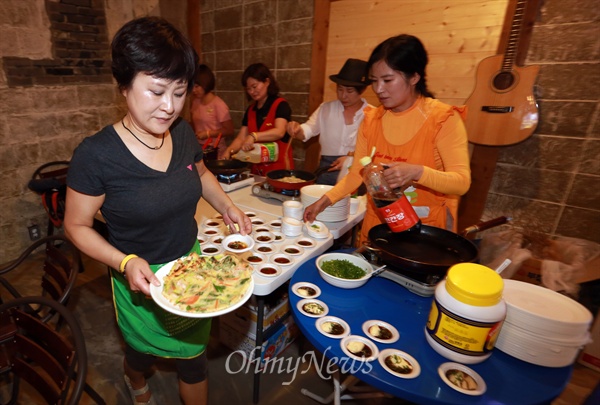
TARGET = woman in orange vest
(265,120)
(422,140)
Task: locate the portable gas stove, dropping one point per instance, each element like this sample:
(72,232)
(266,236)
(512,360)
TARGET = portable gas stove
(230,182)
(265,190)
(421,284)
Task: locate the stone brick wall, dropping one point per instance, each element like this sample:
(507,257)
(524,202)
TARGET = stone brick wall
(278,33)
(550,182)
(55,89)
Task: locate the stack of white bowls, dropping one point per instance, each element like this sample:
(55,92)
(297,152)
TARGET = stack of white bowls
(542,326)
(334,213)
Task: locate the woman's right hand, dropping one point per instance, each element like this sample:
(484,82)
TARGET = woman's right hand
(139,275)
(311,212)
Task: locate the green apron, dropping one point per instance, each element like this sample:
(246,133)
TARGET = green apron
(148,328)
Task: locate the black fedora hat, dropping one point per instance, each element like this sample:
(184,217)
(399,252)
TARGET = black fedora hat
(353,73)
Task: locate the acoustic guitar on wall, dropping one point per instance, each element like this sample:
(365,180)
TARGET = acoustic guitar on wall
(502,109)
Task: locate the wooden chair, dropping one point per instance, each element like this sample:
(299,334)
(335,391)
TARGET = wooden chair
(49,180)
(58,274)
(53,364)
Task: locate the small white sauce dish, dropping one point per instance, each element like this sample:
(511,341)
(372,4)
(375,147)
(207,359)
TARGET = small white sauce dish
(358,341)
(281,260)
(312,307)
(304,289)
(317,230)
(265,248)
(264,237)
(411,368)
(292,250)
(291,227)
(256,221)
(208,249)
(268,270)
(202,239)
(211,223)
(255,258)
(245,243)
(250,214)
(306,243)
(446,368)
(217,240)
(262,228)
(275,224)
(210,232)
(279,237)
(325,324)
(375,330)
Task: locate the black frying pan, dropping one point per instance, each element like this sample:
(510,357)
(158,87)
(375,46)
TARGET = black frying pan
(227,167)
(433,250)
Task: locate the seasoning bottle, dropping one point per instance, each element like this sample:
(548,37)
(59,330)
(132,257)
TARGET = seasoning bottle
(261,153)
(466,314)
(392,204)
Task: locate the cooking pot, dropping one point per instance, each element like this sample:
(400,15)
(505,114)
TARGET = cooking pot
(227,167)
(432,250)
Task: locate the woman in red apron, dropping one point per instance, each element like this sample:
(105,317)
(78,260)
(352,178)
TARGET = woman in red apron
(265,120)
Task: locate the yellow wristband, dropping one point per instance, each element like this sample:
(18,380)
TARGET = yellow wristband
(254,135)
(125,261)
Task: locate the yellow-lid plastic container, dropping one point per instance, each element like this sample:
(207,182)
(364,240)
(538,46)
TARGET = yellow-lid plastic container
(466,314)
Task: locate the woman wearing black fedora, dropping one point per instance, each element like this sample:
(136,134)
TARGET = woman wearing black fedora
(337,121)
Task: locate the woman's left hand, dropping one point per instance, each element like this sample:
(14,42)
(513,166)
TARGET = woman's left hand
(400,174)
(234,215)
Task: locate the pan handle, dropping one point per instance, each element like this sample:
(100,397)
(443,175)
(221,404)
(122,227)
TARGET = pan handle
(482,226)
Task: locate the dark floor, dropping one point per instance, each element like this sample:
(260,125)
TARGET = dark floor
(92,304)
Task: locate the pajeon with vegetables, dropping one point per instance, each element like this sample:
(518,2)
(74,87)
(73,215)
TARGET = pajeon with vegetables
(204,284)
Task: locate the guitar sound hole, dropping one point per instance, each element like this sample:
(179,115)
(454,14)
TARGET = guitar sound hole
(503,80)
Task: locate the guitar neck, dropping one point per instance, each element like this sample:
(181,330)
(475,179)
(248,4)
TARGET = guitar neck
(513,40)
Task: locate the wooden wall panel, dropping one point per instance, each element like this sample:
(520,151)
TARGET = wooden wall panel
(457,35)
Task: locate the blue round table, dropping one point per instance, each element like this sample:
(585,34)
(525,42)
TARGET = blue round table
(509,380)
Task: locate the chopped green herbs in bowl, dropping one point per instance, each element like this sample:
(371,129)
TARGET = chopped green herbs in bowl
(344,270)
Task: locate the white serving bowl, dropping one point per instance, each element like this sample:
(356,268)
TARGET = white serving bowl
(344,282)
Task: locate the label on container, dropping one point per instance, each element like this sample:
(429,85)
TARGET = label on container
(399,215)
(269,152)
(461,335)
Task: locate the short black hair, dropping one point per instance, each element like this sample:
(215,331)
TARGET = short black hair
(153,46)
(260,72)
(205,78)
(404,53)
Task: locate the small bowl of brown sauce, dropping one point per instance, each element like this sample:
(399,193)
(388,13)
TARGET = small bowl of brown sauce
(268,270)
(281,259)
(237,243)
(292,250)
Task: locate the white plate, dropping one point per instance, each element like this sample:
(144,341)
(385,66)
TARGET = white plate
(236,237)
(416,368)
(300,306)
(368,324)
(365,341)
(319,325)
(161,301)
(481,387)
(296,287)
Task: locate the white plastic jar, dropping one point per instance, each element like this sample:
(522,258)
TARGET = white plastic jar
(466,314)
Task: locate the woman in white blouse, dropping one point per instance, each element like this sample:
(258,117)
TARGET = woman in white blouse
(337,121)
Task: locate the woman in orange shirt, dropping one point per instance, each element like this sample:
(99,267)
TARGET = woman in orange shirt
(422,140)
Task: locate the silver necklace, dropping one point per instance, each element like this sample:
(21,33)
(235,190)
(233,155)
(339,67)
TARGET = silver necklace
(142,142)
